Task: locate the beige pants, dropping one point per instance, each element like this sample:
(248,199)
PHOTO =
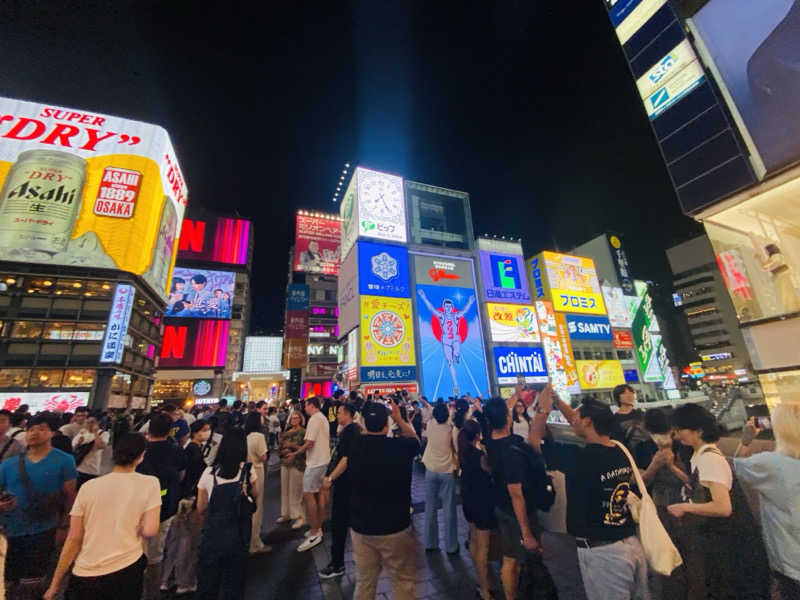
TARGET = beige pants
(396,552)
(255,539)
(291,492)
(3,552)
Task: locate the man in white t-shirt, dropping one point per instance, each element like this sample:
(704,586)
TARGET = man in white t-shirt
(89,465)
(317,447)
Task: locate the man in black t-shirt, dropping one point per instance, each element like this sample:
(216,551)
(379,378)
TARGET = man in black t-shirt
(519,476)
(329,411)
(165,460)
(339,479)
(380,503)
(598,476)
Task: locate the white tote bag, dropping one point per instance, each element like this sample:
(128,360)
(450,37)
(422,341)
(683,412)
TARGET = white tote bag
(662,555)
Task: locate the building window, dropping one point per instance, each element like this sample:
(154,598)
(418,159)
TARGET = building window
(48,378)
(14,377)
(624,355)
(27,329)
(78,378)
(58,331)
(609,355)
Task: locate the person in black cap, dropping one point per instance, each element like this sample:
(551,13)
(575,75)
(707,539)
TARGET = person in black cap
(380,502)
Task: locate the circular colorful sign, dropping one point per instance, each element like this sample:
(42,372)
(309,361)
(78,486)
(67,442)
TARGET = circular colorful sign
(387,328)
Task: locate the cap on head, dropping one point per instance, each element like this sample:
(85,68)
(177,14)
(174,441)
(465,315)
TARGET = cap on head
(376,416)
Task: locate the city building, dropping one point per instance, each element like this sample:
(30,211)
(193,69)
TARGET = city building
(208,310)
(87,241)
(311,350)
(262,377)
(715,83)
(700,292)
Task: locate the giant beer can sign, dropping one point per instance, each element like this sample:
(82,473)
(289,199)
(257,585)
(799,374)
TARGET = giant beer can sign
(86,189)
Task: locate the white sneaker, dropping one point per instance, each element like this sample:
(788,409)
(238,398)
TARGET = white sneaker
(185,590)
(310,542)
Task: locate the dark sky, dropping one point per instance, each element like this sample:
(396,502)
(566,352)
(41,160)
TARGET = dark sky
(528,106)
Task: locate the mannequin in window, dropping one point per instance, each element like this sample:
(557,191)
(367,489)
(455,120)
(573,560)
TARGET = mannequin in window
(782,278)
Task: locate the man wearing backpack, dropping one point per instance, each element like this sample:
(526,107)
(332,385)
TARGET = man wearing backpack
(521,487)
(10,444)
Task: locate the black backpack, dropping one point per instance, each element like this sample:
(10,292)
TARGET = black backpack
(540,484)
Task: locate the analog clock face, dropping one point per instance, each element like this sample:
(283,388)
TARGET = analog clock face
(381,197)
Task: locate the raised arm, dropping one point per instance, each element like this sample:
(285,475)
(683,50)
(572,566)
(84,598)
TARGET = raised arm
(425,301)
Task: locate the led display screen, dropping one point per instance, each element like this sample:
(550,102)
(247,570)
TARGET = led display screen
(754,49)
(383,270)
(387,339)
(512,322)
(194,343)
(222,240)
(451,341)
(89,190)
(570,282)
(46,401)
(599,374)
(201,293)
(317,244)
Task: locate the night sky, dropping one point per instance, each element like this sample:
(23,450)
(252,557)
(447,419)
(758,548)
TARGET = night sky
(528,106)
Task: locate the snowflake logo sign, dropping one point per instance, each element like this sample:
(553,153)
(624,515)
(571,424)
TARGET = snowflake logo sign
(384,266)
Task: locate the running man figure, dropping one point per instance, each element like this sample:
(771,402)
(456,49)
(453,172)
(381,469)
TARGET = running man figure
(451,342)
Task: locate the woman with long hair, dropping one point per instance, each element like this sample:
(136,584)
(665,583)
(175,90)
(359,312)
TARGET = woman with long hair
(477,500)
(257,456)
(520,420)
(222,563)
(775,476)
(714,520)
(292,470)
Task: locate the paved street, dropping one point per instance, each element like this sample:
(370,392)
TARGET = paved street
(288,574)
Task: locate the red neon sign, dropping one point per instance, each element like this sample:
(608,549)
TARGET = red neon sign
(201,343)
(225,240)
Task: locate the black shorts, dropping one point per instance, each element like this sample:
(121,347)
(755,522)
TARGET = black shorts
(511,536)
(125,584)
(30,556)
(480,514)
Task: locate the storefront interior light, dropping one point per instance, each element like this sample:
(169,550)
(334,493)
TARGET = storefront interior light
(30,291)
(106,286)
(11,281)
(47,282)
(77,284)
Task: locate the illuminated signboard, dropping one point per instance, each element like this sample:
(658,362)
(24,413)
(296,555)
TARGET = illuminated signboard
(201,293)
(297,296)
(347,292)
(599,374)
(451,346)
(195,343)
(88,190)
(373,207)
(383,270)
(569,358)
(317,244)
(46,401)
(592,328)
(527,361)
(223,240)
(387,339)
(553,352)
(296,324)
(504,277)
(716,356)
(512,322)
(385,390)
(621,265)
(352,354)
(735,274)
(618,305)
(262,354)
(623,340)
(570,282)
(117,326)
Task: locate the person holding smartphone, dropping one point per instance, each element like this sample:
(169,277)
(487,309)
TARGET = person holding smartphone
(775,476)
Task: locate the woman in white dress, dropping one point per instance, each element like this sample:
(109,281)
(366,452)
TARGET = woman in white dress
(782,278)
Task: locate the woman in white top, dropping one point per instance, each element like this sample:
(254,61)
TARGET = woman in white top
(440,480)
(520,422)
(109,518)
(257,456)
(720,554)
(782,278)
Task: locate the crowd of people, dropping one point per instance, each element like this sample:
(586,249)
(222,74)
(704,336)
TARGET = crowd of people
(179,506)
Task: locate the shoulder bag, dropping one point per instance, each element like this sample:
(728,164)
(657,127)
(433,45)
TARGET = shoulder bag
(662,555)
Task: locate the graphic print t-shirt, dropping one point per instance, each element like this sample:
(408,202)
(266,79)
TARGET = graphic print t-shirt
(598,481)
